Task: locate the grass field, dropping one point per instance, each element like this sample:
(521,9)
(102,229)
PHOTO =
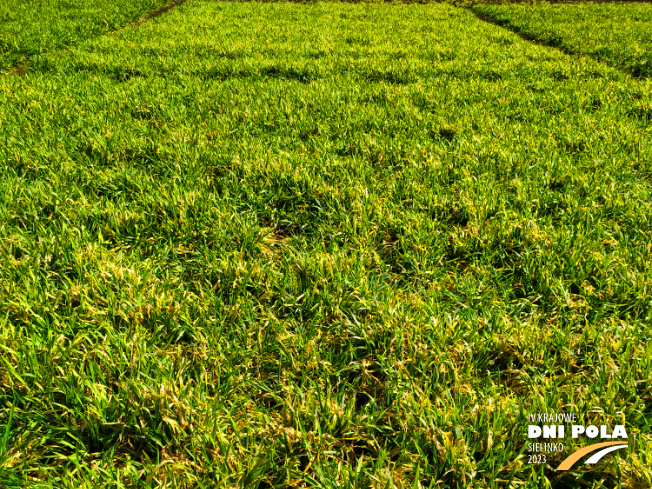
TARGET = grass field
(28,28)
(616,33)
(327,245)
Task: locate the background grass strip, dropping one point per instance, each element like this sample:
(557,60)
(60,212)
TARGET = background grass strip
(36,26)
(618,33)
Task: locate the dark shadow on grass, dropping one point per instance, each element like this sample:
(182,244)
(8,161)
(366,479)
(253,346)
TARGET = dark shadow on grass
(224,73)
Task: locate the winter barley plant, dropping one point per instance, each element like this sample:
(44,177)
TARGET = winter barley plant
(325,245)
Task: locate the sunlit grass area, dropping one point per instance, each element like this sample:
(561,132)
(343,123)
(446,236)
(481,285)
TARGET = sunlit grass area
(326,245)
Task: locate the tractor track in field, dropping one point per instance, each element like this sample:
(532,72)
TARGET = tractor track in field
(24,67)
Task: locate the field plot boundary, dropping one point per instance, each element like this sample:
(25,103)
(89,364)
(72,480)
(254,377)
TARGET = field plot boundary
(24,67)
(483,16)
(156,13)
(555,44)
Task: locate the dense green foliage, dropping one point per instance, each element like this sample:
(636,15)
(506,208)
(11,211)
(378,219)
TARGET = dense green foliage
(320,245)
(615,32)
(31,27)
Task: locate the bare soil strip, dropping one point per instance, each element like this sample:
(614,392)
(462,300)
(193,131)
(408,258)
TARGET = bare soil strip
(160,11)
(19,70)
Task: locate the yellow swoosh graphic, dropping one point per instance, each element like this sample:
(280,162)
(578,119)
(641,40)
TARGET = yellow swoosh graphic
(595,458)
(574,457)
